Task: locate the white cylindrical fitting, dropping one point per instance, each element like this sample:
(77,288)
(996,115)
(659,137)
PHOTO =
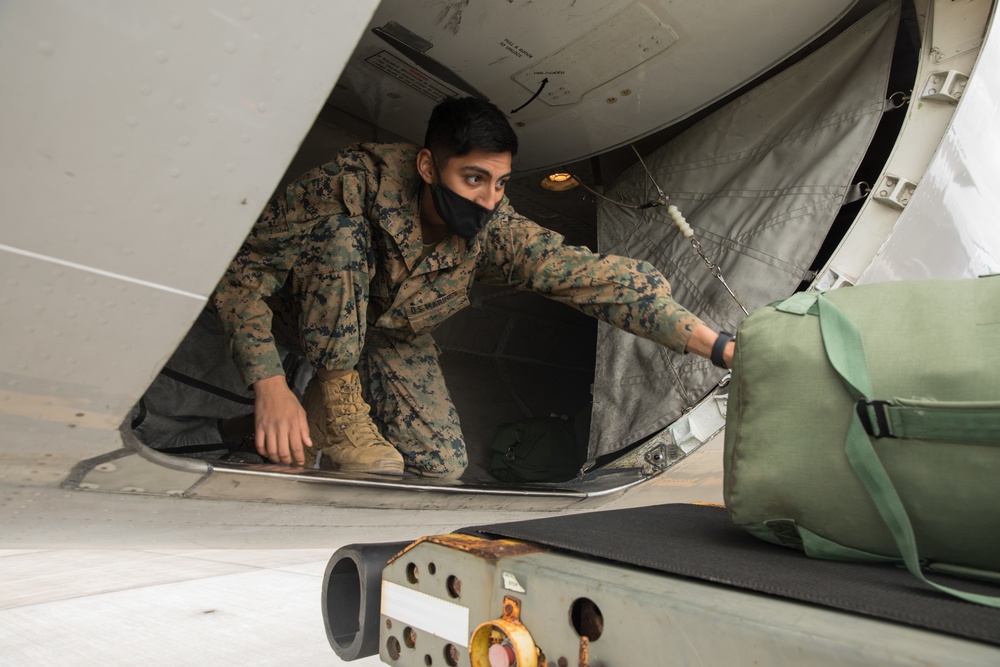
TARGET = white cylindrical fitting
(680,221)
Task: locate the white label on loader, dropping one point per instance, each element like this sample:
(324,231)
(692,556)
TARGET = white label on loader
(421,611)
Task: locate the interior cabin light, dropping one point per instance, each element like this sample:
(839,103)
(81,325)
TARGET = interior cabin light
(559,181)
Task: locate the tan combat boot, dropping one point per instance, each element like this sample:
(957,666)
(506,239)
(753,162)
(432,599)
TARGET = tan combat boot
(341,427)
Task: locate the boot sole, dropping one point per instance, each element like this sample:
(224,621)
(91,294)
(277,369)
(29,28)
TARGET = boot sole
(394,468)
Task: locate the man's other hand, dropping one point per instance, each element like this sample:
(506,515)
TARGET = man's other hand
(280,428)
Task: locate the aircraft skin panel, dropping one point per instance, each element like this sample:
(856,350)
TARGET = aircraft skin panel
(160,172)
(80,355)
(930,213)
(140,142)
(956,201)
(508,48)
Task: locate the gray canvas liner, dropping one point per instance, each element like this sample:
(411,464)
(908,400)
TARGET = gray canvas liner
(761,181)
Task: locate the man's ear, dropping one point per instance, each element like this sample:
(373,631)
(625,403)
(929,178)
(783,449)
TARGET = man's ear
(425,165)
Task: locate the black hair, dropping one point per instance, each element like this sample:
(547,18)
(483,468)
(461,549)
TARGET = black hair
(460,125)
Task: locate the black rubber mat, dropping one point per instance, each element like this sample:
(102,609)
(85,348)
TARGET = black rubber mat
(701,542)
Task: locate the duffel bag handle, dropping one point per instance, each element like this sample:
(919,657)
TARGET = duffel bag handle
(842,340)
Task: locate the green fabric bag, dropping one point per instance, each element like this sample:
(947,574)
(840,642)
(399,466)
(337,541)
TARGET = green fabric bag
(540,449)
(864,424)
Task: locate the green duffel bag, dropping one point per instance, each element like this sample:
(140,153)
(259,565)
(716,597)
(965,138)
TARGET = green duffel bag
(864,424)
(540,449)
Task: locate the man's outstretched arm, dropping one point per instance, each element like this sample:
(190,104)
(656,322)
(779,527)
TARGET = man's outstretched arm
(626,293)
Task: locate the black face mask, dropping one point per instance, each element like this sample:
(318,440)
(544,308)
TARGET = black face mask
(463,216)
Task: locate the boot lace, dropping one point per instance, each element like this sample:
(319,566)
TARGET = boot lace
(351,417)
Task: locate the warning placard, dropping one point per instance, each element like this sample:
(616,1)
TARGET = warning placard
(410,75)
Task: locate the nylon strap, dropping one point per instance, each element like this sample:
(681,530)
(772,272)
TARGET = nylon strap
(932,420)
(844,348)
(800,303)
(910,419)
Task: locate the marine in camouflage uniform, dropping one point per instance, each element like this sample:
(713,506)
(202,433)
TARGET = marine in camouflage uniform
(337,266)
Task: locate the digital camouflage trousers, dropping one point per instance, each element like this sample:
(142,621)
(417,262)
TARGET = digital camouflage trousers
(325,316)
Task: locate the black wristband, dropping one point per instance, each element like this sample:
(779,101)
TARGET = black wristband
(720,347)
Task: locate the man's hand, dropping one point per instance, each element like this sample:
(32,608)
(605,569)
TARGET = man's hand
(280,427)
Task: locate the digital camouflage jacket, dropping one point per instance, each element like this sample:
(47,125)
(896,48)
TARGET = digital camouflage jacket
(375,187)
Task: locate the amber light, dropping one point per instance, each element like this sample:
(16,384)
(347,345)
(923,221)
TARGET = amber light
(559,181)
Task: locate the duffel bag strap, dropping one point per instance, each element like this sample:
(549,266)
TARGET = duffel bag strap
(844,348)
(912,419)
(915,419)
